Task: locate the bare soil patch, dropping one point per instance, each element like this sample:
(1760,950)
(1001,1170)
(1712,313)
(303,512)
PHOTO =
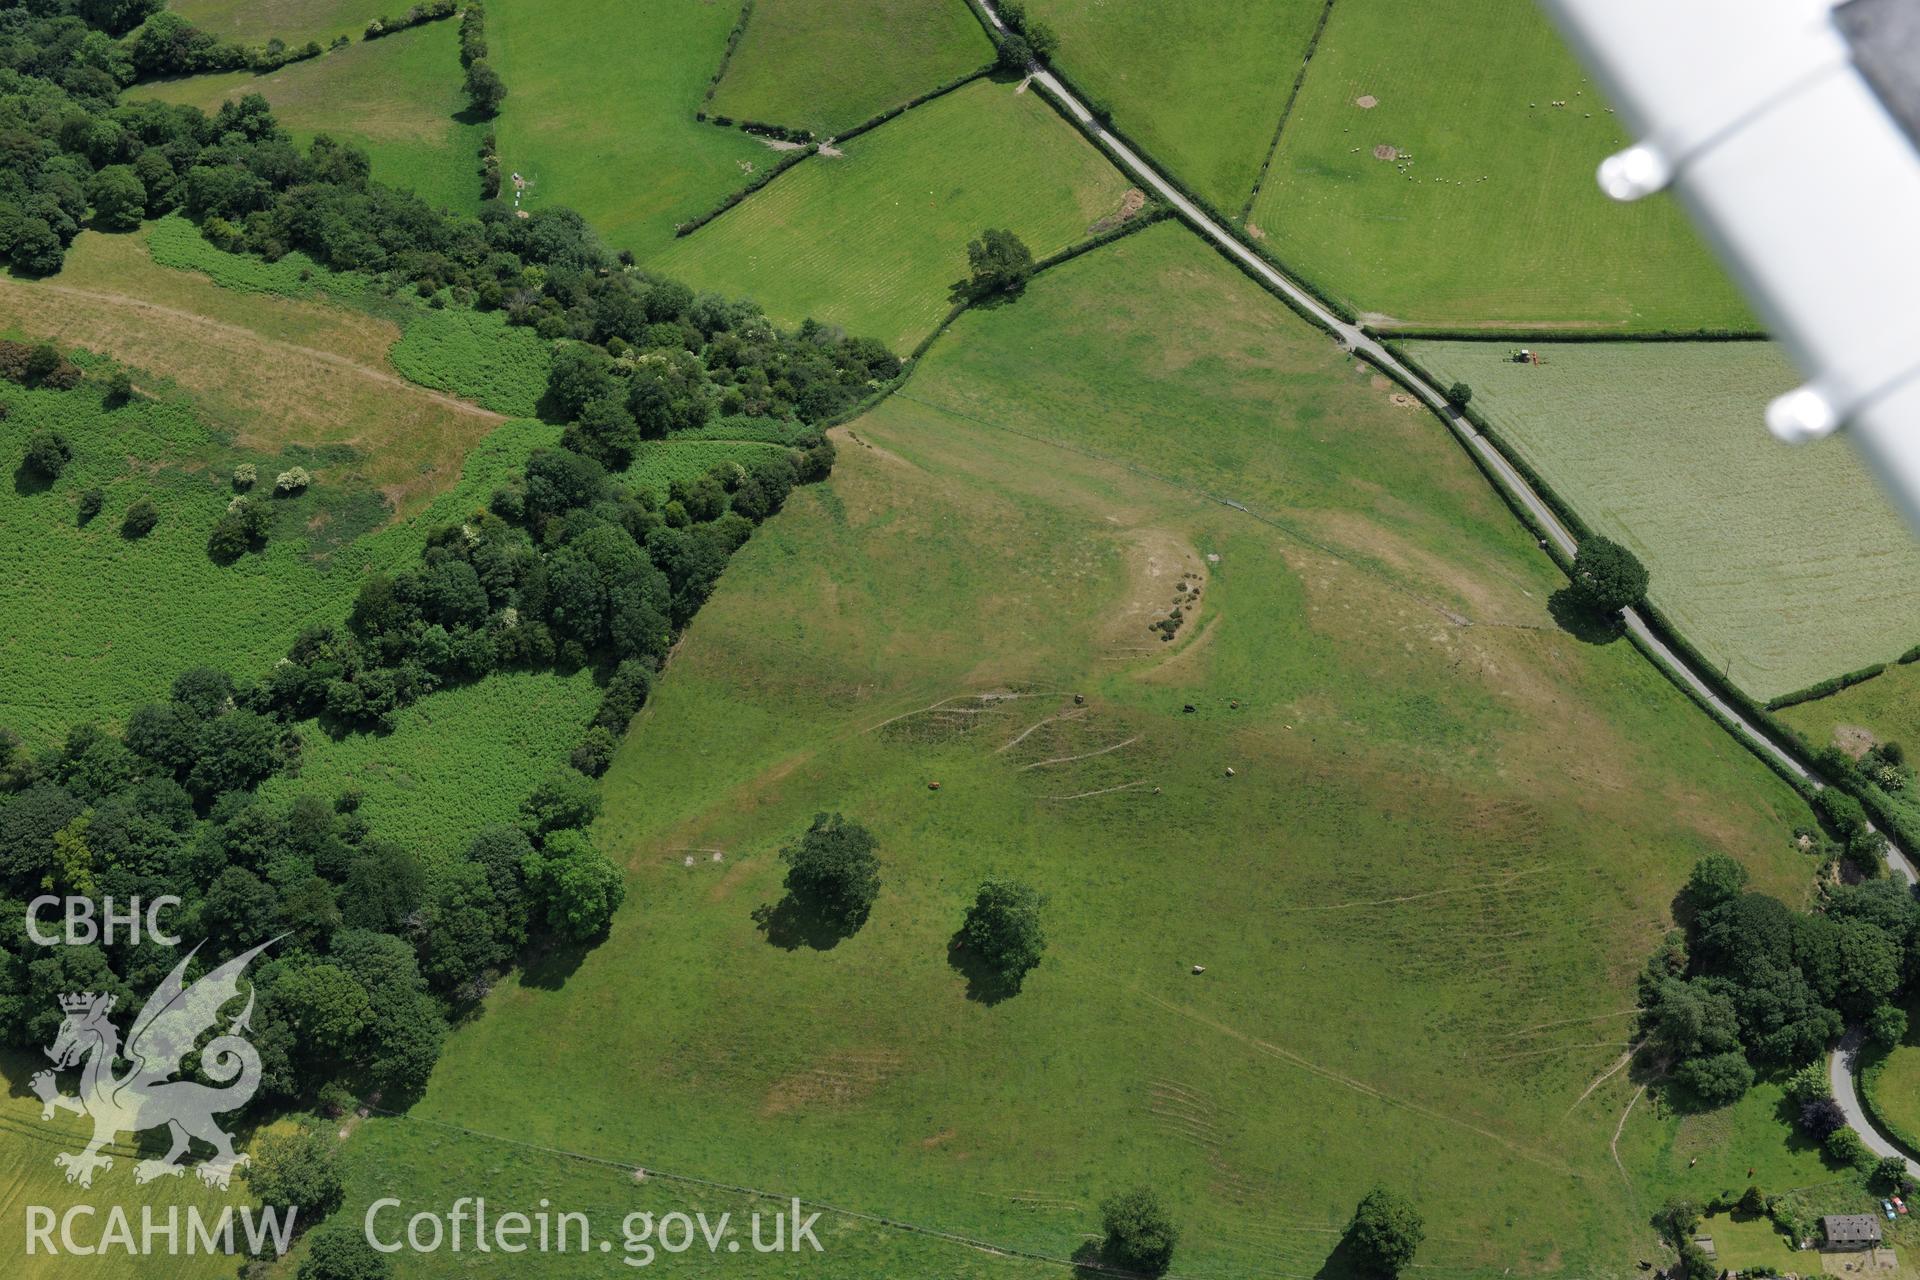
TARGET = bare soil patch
(1366,102)
(1385,152)
(1130,204)
(1853,739)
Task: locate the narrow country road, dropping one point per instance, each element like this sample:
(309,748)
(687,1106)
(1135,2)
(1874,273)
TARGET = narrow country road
(1842,1064)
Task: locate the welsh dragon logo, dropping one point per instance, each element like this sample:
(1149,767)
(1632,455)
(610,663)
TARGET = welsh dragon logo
(145,1095)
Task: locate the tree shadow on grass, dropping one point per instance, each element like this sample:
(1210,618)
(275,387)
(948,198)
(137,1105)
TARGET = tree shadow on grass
(964,292)
(1341,1264)
(796,922)
(28,480)
(549,968)
(1581,622)
(984,984)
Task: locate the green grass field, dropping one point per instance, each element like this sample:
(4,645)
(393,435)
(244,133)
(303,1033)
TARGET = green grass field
(294,21)
(1897,1091)
(1421,901)
(1883,709)
(459,761)
(395,98)
(599,112)
(1783,566)
(826,65)
(1490,216)
(1200,85)
(872,239)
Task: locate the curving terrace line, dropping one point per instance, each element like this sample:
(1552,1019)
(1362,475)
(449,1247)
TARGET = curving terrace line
(1842,1065)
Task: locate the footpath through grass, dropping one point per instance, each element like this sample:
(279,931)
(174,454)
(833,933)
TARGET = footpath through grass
(396,98)
(826,65)
(1782,566)
(599,112)
(1422,897)
(1438,170)
(873,239)
(1200,84)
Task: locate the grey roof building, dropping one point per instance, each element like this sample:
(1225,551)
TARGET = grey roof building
(1851,1230)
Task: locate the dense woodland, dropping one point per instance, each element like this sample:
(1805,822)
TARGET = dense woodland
(1752,983)
(567,567)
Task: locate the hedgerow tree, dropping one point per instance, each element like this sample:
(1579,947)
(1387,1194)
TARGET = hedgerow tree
(1459,394)
(48,453)
(1138,1233)
(299,1170)
(1002,928)
(1887,1026)
(1716,878)
(118,196)
(1607,577)
(999,263)
(485,89)
(574,885)
(1015,54)
(1386,1232)
(339,1251)
(141,516)
(832,868)
(240,529)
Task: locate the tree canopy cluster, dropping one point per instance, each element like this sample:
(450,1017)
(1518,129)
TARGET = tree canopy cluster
(1606,576)
(1756,983)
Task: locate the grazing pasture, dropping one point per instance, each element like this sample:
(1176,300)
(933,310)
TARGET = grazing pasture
(270,371)
(1483,212)
(599,112)
(294,21)
(1451,834)
(1782,566)
(871,240)
(396,98)
(1201,85)
(826,65)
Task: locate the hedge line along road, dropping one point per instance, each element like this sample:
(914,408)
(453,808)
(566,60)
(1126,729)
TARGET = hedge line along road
(1842,1064)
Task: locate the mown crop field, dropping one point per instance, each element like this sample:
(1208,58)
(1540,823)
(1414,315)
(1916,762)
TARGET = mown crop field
(294,21)
(395,98)
(825,65)
(28,1176)
(599,112)
(1486,213)
(1200,85)
(1782,566)
(871,240)
(1422,898)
